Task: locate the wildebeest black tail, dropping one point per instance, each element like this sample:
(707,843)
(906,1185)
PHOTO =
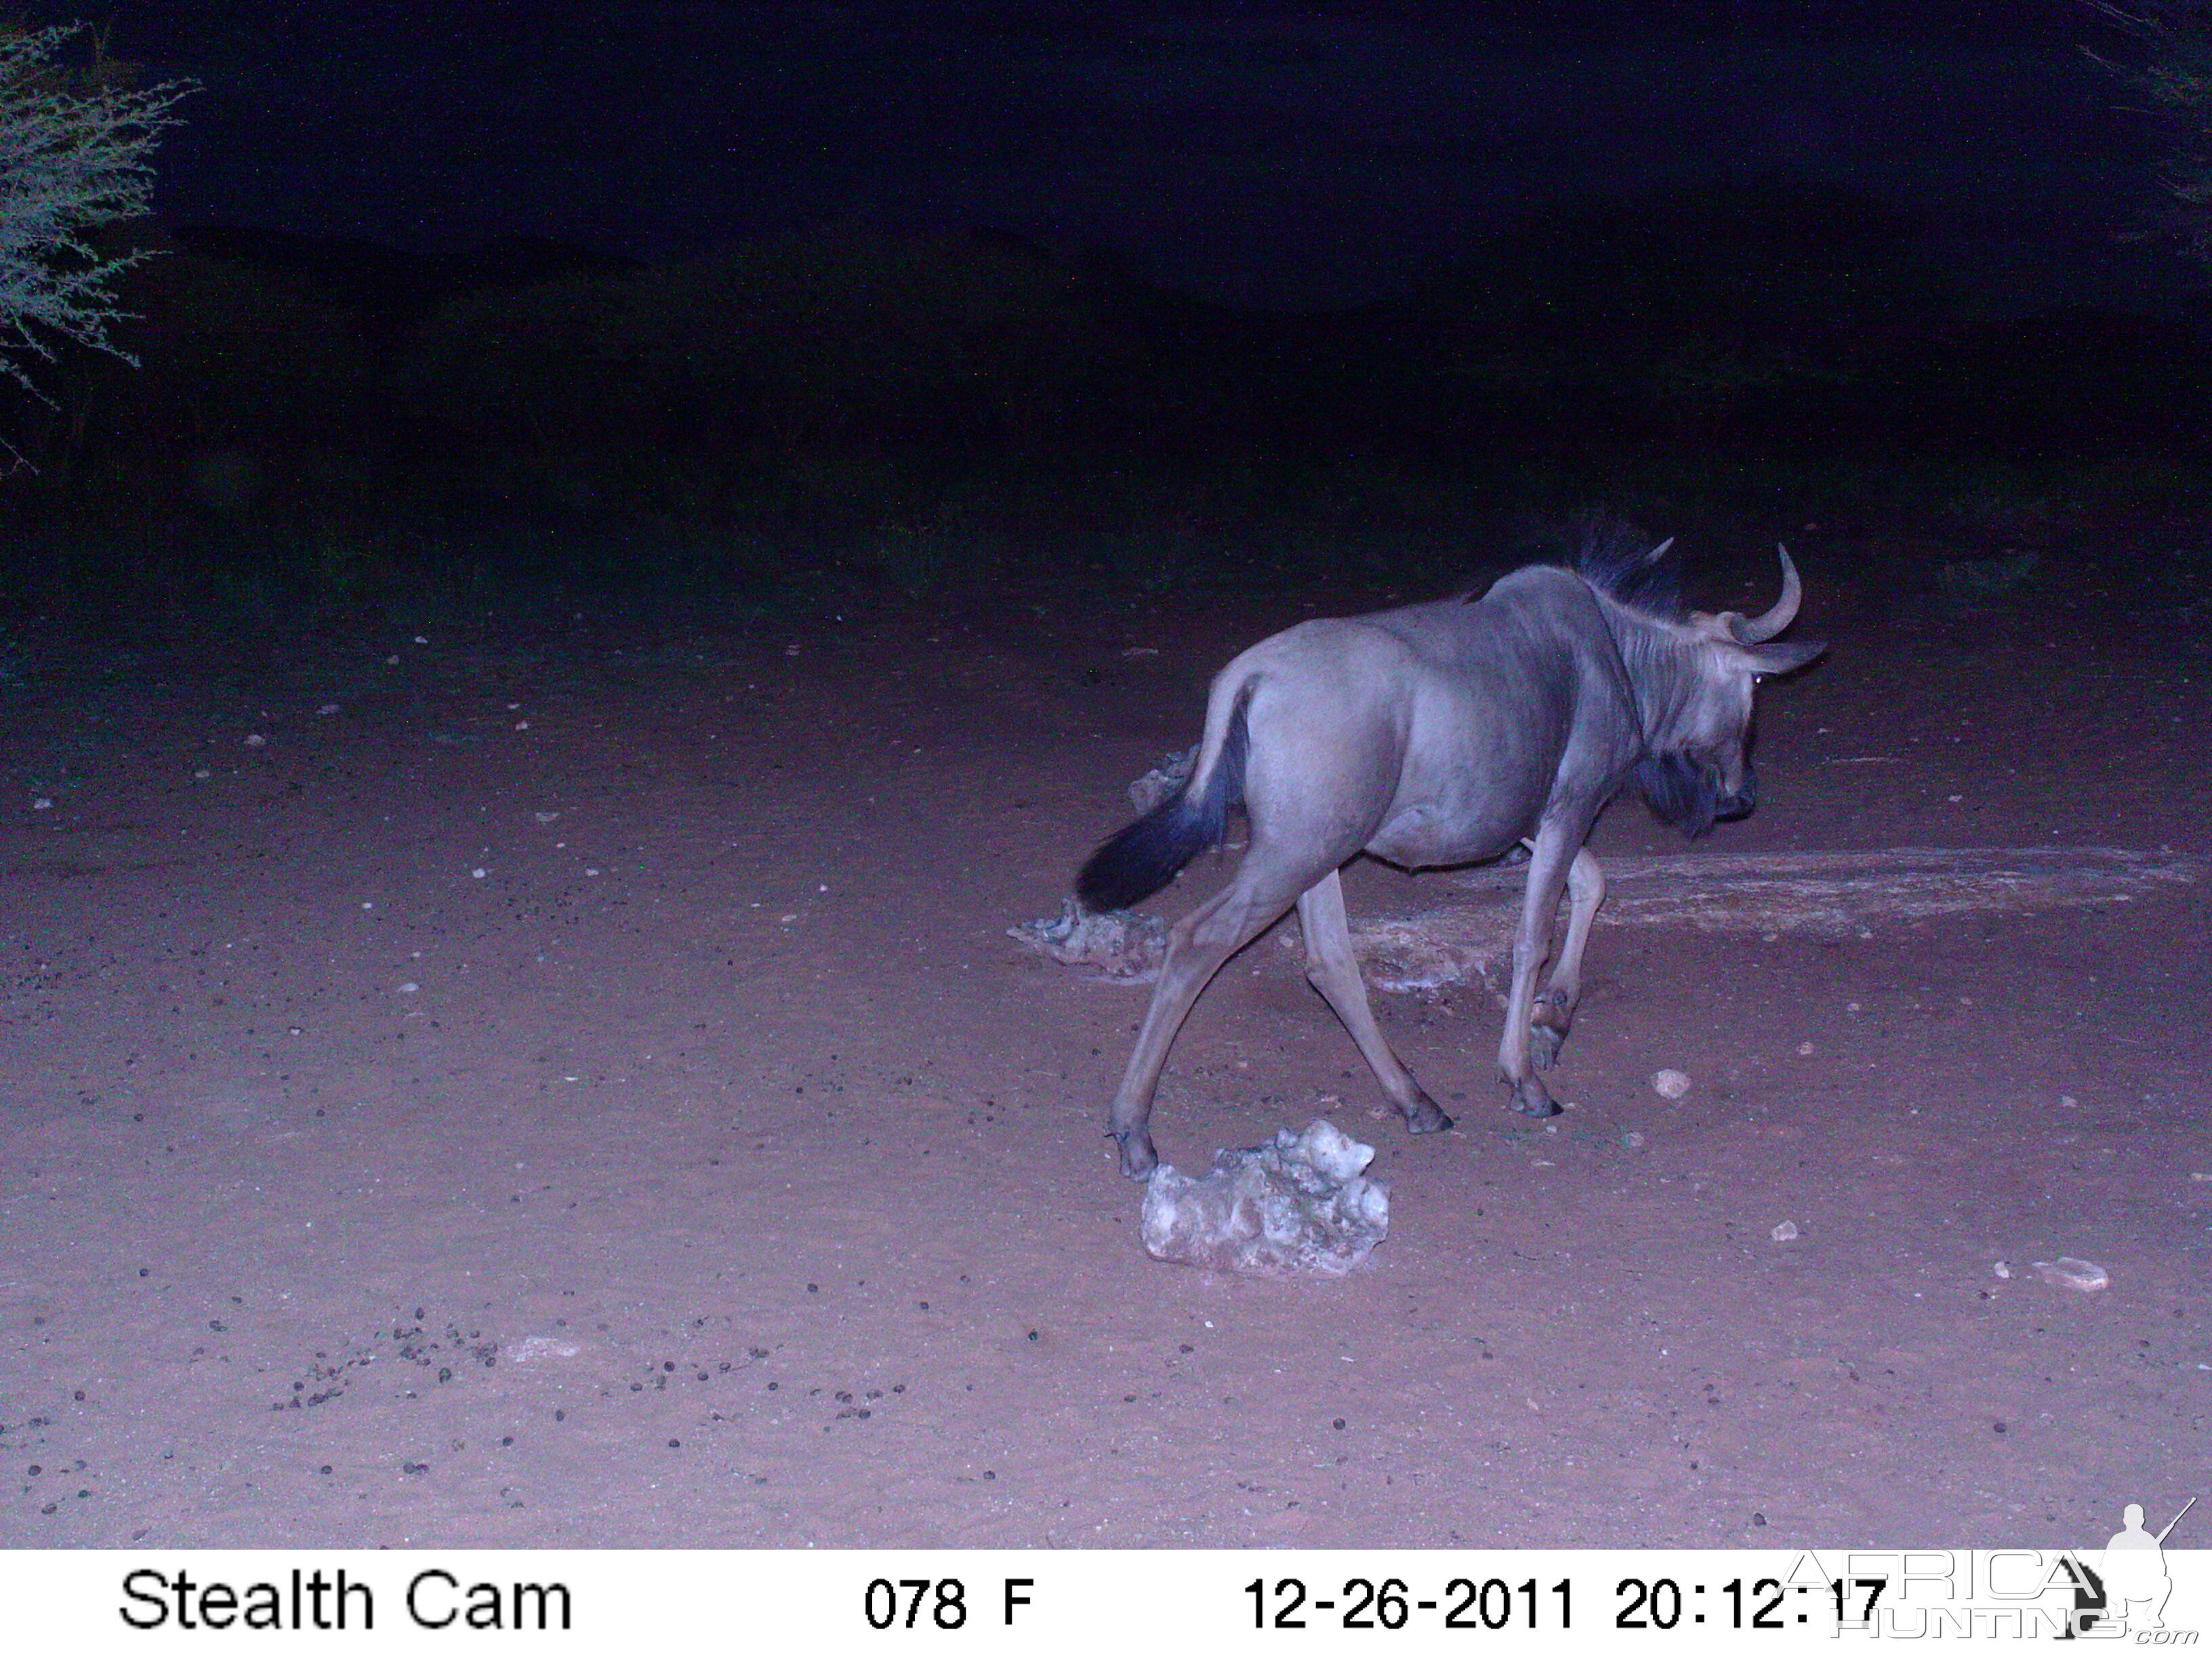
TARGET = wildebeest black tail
(1136,862)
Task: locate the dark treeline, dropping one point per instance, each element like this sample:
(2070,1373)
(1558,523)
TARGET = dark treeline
(320,425)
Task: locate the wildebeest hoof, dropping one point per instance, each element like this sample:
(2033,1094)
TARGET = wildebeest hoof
(1425,1116)
(1138,1160)
(1547,1028)
(1531,1099)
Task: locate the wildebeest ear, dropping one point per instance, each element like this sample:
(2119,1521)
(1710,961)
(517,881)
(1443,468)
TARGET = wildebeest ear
(1782,658)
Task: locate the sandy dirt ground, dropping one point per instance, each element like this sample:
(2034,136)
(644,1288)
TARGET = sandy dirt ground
(580,1091)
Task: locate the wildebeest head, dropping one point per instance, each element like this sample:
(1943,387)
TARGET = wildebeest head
(1698,770)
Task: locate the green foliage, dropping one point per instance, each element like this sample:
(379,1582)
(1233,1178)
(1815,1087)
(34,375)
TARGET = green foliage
(74,144)
(2176,76)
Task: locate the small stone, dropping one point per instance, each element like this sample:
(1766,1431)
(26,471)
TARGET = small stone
(1671,1084)
(2003,1269)
(1634,1140)
(477,873)
(255,740)
(43,805)
(1804,1047)
(328,708)
(2071,1273)
(408,987)
(1785,1232)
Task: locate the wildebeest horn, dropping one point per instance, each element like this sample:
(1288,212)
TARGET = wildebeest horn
(1755,630)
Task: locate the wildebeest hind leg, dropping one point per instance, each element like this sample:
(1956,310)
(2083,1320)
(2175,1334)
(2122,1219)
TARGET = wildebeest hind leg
(1334,973)
(1197,946)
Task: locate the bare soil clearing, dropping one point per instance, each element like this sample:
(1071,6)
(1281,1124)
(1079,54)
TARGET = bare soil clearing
(572,1094)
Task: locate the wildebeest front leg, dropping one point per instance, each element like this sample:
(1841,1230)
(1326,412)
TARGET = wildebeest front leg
(1334,972)
(1554,849)
(1555,1009)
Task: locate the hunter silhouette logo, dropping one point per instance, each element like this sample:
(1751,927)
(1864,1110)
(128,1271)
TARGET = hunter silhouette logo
(2127,1591)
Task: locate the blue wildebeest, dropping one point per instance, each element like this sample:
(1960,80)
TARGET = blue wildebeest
(1442,734)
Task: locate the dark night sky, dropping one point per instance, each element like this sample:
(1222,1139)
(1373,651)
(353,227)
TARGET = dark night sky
(1270,153)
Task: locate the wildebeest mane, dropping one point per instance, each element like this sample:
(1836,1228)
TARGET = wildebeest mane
(1615,557)
(1678,792)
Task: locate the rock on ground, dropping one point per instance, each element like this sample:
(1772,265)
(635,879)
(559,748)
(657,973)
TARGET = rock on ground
(1296,1204)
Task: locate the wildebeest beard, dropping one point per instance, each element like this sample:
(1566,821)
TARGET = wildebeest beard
(1687,793)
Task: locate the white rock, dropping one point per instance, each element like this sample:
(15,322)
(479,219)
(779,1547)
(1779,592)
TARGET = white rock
(532,1349)
(1122,945)
(1785,1232)
(1163,781)
(1296,1204)
(1672,1084)
(2073,1274)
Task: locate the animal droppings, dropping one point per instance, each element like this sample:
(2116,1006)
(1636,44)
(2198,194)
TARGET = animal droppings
(2073,1274)
(1296,1204)
(1670,1083)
